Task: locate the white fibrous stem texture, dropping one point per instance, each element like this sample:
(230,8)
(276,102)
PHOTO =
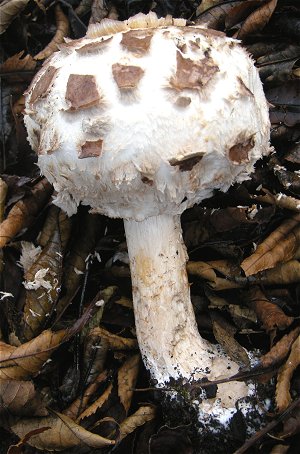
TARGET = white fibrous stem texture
(165,322)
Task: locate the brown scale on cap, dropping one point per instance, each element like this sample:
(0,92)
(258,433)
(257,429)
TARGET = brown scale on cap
(42,86)
(183,101)
(95,46)
(187,163)
(191,74)
(82,91)
(91,149)
(238,154)
(127,77)
(137,42)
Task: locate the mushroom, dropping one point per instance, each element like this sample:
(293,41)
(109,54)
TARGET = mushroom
(141,120)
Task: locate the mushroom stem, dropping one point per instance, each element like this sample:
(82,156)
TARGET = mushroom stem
(165,322)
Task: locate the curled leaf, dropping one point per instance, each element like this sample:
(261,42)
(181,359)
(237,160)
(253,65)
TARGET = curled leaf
(97,404)
(23,212)
(63,433)
(279,246)
(62,25)
(115,342)
(127,376)
(141,416)
(9,9)
(258,19)
(283,396)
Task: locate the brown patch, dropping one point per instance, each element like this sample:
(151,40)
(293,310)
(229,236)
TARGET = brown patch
(91,149)
(43,85)
(70,45)
(182,46)
(244,90)
(147,181)
(183,101)
(238,154)
(127,77)
(186,164)
(192,74)
(94,46)
(137,41)
(82,91)
(207,32)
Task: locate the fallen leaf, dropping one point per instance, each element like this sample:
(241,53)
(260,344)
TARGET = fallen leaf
(9,9)
(224,333)
(280,350)
(42,283)
(62,30)
(269,314)
(283,396)
(23,212)
(127,377)
(20,398)
(3,193)
(116,342)
(141,416)
(279,246)
(63,433)
(25,361)
(90,410)
(257,20)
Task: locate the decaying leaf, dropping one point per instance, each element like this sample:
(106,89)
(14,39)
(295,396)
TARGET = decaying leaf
(56,220)
(291,425)
(23,212)
(116,342)
(20,398)
(279,246)
(141,416)
(258,19)
(95,352)
(280,350)
(17,449)
(97,404)
(281,200)
(215,16)
(80,404)
(75,264)
(283,396)
(208,271)
(63,433)
(9,9)
(62,30)
(224,333)
(17,64)
(127,376)
(282,274)
(3,192)
(19,363)
(42,283)
(269,314)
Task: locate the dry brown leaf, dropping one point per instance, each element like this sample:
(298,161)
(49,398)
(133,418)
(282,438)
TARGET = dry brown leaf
(3,192)
(127,376)
(283,396)
(20,398)
(141,416)
(215,16)
(291,426)
(80,404)
(116,342)
(280,350)
(224,333)
(23,212)
(56,220)
(279,246)
(62,30)
(9,9)
(206,4)
(280,449)
(42,283)
(16,63)
(25,361)
(269,314)
(207,271)
(75,265)
(282,274)
(63,433)
(281,200)
(97,404)
(257,20)
(17,449)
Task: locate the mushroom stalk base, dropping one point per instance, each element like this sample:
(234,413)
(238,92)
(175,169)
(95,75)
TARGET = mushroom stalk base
(165,322)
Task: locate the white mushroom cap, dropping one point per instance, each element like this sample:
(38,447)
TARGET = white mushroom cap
(147,119)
